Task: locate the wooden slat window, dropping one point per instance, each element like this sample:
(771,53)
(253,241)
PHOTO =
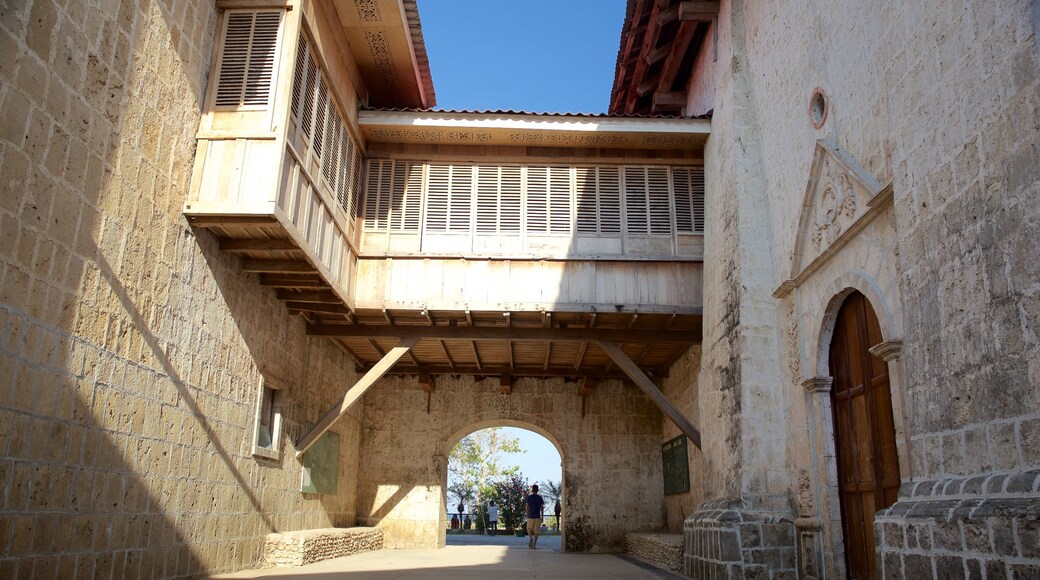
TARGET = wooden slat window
(378,189)
(449,198)
(406,200)
(308,94)
(320,111)
(688,191)
(598,200)
(299,70)
(560,218)
(322,131)
(460,198)
(647,203)
(247,59)
(499,197)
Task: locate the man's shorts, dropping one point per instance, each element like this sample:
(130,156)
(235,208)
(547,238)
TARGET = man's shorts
(534,525)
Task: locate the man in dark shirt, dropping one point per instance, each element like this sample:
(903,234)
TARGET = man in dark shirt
(535,509)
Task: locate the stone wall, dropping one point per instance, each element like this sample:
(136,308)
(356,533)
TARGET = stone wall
(940,101)
(680,387)
(611,456)
(131,350)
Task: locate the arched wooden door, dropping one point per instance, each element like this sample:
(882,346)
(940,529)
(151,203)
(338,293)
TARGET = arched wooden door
(864,432)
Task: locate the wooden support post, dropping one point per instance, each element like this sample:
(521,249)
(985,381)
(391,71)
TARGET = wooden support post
(427,383)
(643,382)
(505,385)
(354,395)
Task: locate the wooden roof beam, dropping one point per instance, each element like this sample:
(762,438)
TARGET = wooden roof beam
(277,267)
(353,395)
(643,382)
(426,382)
(698,11)
(653,32)
(309,281)
(676,55)
(510,334)
(318,296)
(257,245)
(404,369)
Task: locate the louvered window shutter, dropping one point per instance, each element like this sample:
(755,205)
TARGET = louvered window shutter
(509,199)
(537,199)
(343,181)
(659,200)
(355,182)
(498,199)
(598,200)
(636,211)
(406,202)
(688,184)
(331,160)
(437,195)
(378,186)
(299,77)
(248,58)
(560,200)
(308,94)
(320,111)
(461,198)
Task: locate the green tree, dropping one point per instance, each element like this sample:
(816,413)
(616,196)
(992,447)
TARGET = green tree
(477,462)
(511,492)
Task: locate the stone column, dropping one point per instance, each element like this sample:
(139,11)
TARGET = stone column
(891,351)
(811,498)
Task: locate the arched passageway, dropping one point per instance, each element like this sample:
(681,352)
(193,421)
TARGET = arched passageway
(611,455)
(496,464)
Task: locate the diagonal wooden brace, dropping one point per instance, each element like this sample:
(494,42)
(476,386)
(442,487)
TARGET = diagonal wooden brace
(354,394)
(643,382)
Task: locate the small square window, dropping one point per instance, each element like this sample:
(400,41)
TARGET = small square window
(267,440)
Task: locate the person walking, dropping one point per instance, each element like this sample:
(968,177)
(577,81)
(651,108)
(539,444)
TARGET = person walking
(493,518)
(535,510)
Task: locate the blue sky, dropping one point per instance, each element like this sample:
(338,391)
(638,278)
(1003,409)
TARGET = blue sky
(531,55)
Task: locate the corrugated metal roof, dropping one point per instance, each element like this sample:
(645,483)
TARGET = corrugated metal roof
(411,10)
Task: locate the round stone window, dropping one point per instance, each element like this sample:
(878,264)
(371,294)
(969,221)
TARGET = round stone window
(818,108)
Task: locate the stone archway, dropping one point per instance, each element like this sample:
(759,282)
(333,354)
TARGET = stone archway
(454,439)
(402,464)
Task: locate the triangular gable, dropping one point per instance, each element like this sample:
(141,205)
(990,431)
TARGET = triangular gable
(836,197)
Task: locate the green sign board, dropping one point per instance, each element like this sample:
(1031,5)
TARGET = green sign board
(321,466)
(676,466)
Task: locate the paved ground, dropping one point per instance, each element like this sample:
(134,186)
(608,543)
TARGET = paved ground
(496,558)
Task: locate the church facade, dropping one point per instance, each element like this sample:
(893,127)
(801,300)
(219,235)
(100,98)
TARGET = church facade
(252,280)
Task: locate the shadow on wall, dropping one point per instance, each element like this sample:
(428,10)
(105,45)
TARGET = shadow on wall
(121,439)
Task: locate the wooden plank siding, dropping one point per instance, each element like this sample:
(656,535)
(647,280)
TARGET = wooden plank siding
(530,285)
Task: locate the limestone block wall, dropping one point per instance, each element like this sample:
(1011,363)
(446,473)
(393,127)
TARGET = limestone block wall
(940,101)
(680,387)
(130,349)
(611,456)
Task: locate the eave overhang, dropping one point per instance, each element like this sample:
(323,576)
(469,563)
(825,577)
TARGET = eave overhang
(386,41)
(528,129)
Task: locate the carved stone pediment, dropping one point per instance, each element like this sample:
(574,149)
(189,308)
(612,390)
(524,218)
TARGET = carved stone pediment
(836,197)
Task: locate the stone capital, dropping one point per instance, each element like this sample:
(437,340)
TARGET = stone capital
(818,384)
(888,351)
